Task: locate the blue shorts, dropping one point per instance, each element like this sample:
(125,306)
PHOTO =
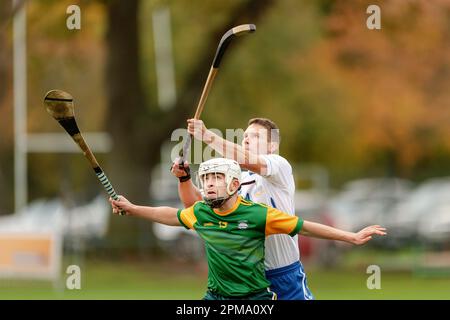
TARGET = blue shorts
(289,283)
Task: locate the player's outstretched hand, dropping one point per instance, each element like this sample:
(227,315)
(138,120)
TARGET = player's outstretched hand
(121,205)
(365,234)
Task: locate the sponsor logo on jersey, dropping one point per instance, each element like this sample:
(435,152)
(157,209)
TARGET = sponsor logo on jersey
(208,224)
(242,224)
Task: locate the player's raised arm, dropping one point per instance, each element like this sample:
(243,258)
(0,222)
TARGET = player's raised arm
(164,215)
(247,159)
(317,230)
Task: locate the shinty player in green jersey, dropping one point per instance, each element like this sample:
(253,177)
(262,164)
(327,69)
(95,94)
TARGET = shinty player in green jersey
(234,231)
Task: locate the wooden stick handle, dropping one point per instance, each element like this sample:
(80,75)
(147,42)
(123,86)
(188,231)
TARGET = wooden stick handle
(201,104)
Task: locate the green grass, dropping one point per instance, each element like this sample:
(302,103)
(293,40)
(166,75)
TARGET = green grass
(404,275)
(116,280)
(175,281)
(394,285)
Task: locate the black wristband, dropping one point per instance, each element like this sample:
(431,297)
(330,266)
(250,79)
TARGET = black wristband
(187,177)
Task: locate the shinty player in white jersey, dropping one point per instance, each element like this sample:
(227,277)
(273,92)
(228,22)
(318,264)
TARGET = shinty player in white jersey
(268,180)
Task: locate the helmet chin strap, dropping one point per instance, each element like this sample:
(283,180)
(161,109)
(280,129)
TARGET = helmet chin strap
(217,202)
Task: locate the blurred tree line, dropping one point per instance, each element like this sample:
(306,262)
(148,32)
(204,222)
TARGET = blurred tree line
(359,102)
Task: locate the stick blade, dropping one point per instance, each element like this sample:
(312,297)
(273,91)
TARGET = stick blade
(59,104)
(243,28)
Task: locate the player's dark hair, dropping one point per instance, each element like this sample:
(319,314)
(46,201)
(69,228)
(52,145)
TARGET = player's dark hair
(272,128)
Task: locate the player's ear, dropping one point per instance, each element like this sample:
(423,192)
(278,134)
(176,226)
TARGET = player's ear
(273,147)
(235,184)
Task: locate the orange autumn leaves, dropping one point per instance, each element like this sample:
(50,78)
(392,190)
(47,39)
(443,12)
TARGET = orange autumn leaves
(396,79)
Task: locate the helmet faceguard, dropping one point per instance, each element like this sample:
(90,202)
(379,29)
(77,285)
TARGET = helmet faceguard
(229,168)
(217,202)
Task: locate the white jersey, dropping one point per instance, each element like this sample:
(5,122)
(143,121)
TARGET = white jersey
(275,189)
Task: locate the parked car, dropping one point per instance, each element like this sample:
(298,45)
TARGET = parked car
(311,206)
(435,230)
(87,221)
(178,241)
(421,214)
(367,201)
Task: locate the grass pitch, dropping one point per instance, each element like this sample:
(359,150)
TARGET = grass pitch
(168,280)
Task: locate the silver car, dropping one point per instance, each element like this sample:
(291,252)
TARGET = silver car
(367,201)
(423,214)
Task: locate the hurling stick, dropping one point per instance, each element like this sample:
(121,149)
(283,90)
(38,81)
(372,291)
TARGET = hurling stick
(59,105)
(223,45)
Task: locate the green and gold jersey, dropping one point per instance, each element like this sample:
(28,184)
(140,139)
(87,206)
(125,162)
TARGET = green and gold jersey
(234,242)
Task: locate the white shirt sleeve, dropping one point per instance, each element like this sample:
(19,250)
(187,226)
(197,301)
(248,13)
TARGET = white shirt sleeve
(279,171)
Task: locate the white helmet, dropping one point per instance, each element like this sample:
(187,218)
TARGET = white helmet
(231,170)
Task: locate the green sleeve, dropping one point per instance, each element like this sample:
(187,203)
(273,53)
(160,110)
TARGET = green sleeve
(179,219)
(297,228)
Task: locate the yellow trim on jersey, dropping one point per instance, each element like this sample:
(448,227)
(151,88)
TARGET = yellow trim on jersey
(245,202)
(279,222)
(188,217)
(235,206)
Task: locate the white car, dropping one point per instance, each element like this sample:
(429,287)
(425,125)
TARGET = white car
(421,213)
(367,201)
